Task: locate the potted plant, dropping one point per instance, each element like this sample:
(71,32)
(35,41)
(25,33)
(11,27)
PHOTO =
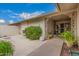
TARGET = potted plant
(50,35)
(68,39)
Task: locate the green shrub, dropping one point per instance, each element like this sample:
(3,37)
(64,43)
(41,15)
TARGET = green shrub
(5,48)
(68,38)
(33,32)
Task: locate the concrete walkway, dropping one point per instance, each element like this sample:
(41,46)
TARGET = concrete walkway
(24,46)
(51,48)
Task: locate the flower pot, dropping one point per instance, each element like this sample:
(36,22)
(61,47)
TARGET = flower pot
(74,53)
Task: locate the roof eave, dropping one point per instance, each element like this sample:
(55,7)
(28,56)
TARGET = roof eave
(58,7)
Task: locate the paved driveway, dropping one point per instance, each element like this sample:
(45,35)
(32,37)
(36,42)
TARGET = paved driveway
(23,46)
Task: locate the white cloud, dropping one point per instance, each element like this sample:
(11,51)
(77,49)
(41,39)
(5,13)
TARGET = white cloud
(37,13)
(11,21)
(21,16)
(13,16)
(9,11)
(4,11)
(2,21)
(25,15)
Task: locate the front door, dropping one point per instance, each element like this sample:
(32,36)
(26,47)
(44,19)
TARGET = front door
(61,27)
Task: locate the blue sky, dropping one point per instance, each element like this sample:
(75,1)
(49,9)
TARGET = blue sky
(15,12)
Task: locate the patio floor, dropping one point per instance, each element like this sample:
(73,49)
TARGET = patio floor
(52,47)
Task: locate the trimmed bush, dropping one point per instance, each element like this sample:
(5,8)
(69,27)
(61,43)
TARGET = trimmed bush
(33,32)
(5,48)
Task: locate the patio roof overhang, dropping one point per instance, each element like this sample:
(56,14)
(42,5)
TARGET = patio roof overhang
(60,17)
(66,6)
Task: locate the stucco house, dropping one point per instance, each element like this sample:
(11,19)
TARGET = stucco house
(66,17)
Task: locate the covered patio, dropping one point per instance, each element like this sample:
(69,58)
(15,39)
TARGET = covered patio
(58,24)
(63,20)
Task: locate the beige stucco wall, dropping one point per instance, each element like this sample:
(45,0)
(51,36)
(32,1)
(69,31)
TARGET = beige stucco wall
(78,25)
(50,26)
(37,22)
(8,30)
